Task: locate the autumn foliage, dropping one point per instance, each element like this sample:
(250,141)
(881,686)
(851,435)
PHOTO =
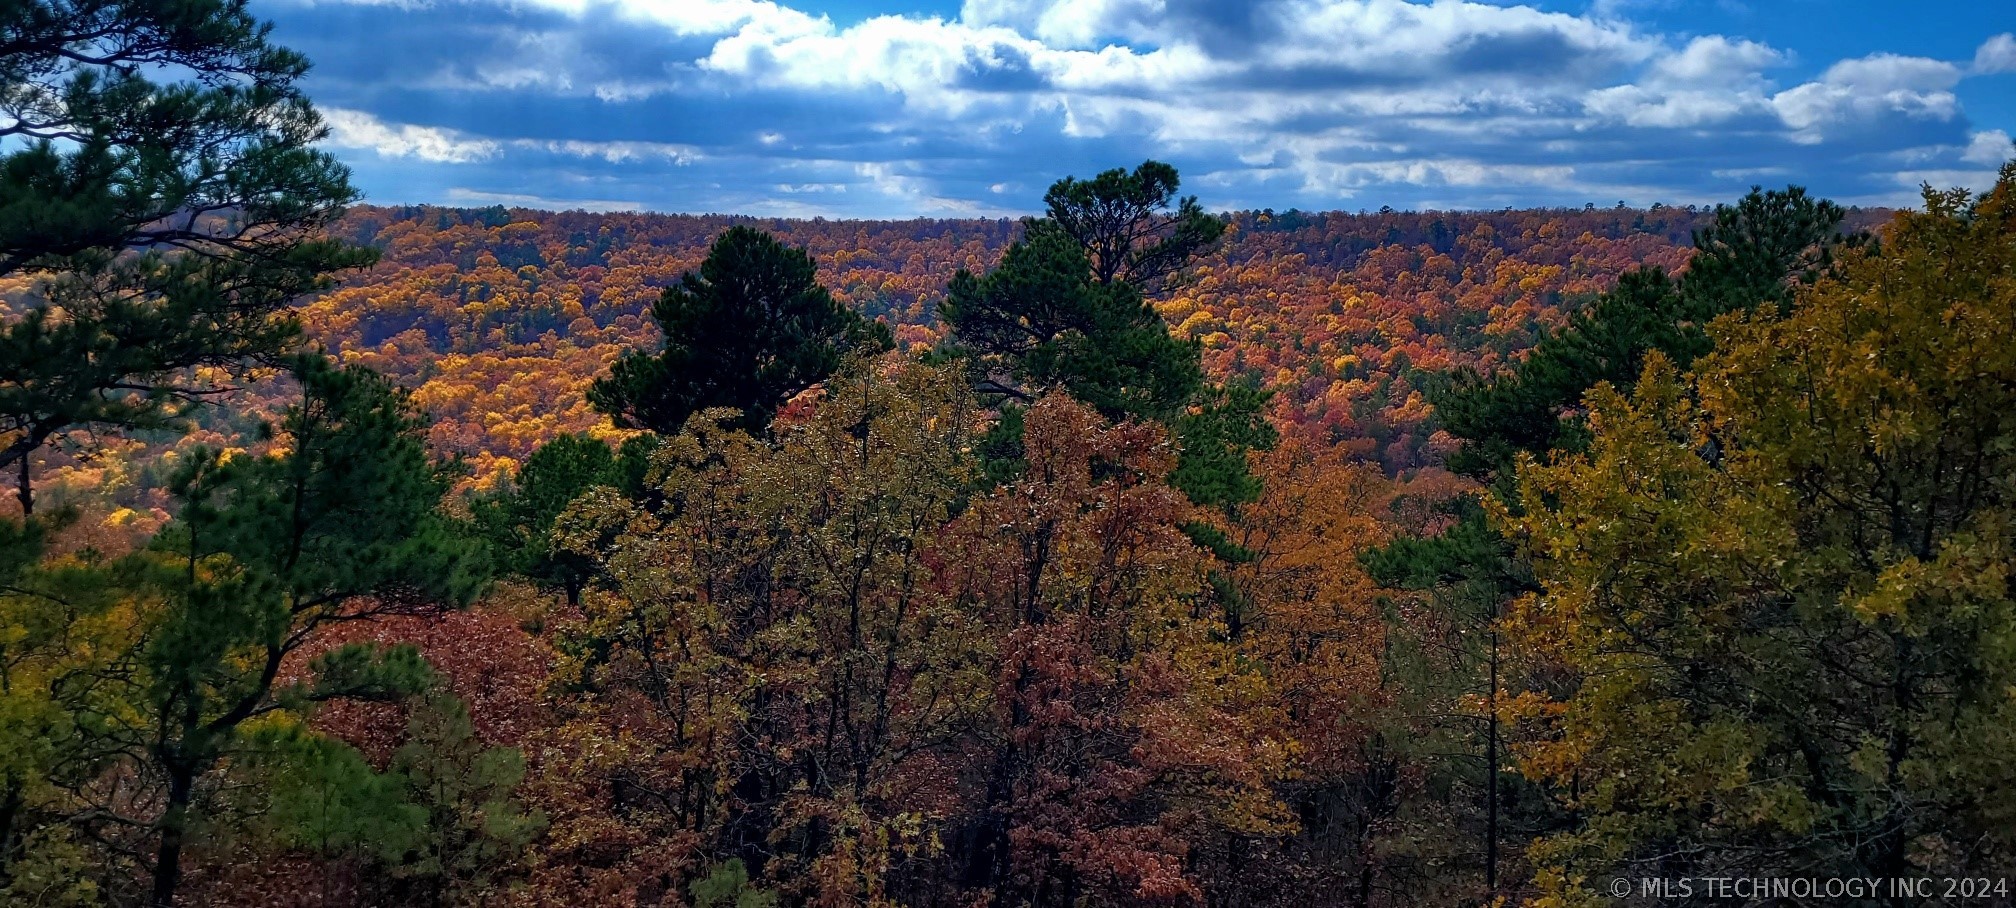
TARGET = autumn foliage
(848,653)
(500,318)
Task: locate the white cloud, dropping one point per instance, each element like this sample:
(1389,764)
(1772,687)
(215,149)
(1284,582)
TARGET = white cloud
(1064,23)
(1461,173)
(1334,97)
(1891,72)
(1716,60)
(357,129)
(1869,92)
(1751,173)
(1450,36)
(684,17)
(893,53)
(1816,108)
(1672,109)
(395,4)
(617,91)
(1333,61)
(1351,41)
(1996,55)
(889,180)
(614,152)
(1712,80)
(1911,182)
(1991,147)
(689,17)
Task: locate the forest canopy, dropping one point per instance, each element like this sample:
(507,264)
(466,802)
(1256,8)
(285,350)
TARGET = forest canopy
(1127,554)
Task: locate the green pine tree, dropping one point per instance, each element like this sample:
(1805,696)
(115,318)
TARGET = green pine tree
(517,519)
(1754,253)
(433,827)
(171,223)
(342,523)
(750,330)
(1040,321)
(1068,308)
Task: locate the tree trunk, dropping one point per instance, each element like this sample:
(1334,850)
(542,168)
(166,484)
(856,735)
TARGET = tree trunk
(1491,767)
(24,490)
(10,811)
(174,823)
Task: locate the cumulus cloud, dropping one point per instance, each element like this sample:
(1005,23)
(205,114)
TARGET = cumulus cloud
(1990,147)
(1996,55)
(1715,60)
(1890,72)
(1880,92)
(359,130)
(1711,81)
(768,106)
(1081,23)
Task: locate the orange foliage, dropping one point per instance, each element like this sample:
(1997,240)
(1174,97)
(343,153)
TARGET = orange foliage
(500,318)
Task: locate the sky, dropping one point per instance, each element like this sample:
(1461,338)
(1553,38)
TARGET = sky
(944,108)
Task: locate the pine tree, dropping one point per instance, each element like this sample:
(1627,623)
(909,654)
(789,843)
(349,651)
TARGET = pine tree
(750,330)
(1040,322)
(1755,253)
(1125,225)
(434,826)
(1781,583)
(1068,308)
(170,223)
(518,520)
(341,524)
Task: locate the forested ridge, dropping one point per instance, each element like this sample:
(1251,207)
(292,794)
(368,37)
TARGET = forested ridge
(1334,308)
(1128,554)
(498,318)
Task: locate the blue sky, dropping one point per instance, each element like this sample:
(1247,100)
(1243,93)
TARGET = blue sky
(905,108)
